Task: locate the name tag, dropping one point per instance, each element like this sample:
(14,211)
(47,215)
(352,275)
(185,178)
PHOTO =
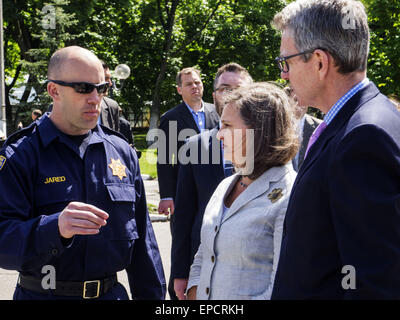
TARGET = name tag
(54,179)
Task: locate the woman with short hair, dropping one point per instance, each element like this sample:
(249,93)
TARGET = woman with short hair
(243,222)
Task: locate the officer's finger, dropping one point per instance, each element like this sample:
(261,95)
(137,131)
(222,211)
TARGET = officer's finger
(83,223)
(87,216)
(83,231)
(89,207)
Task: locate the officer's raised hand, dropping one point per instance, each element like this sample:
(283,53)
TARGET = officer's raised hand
(81,218)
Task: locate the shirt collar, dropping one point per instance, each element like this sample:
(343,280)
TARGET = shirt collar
(342,101)
(192,111)
(48,132)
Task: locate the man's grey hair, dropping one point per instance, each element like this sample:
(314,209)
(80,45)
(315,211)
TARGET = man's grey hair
(339,27)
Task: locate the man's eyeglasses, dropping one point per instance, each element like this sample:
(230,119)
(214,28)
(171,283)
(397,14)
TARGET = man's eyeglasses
(83,87)
(282,61)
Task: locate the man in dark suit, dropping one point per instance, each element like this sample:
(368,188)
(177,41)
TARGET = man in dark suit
(197,181)
(109,114)
(305,127)
(126,131)
(187,119)
(341,238)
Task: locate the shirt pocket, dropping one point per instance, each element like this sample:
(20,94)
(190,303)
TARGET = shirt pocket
(120,232)
(53,198)
(121,223)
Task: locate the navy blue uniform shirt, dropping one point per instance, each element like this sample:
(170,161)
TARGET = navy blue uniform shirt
(41,171)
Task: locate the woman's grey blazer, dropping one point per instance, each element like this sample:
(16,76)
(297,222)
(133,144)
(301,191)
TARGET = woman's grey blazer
(238,254)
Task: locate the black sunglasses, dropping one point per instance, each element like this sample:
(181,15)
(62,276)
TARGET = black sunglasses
(282,61)
(83,87)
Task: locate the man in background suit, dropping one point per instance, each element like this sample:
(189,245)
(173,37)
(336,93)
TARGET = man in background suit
(305,127)
(192,114)
(197,181)
(109,115)
(341,233)
(126,131)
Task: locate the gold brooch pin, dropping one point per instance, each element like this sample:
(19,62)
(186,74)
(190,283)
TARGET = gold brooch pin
(275,195)
(118,169)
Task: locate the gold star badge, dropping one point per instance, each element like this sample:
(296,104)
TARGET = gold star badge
(275,195)
(118,169)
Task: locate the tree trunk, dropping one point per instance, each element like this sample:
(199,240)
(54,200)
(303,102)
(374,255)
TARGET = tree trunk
(168,28)
(156,103)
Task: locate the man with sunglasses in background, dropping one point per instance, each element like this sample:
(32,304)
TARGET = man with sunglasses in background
(341,233)
(109,114)
(72,203)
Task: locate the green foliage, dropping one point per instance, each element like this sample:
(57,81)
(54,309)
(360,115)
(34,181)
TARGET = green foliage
(384,59)
(29,42)
(156,42)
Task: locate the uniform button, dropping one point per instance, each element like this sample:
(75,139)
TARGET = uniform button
(207,290)
(212,259)
(54,252)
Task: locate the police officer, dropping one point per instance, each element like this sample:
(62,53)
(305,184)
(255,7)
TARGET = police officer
(72,199)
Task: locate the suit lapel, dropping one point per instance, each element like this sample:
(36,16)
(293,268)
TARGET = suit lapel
(104,113)
(210,153)
(216,154)
(211,116)
(337,123)
(187,117)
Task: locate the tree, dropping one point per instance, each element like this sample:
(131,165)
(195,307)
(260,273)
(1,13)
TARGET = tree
(167,36)
(157,38)
(33,32)
(384,58)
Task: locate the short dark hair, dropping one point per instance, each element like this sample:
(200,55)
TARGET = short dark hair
(105,65)
(37,112)
(186,71)
(266,108)
(231,67)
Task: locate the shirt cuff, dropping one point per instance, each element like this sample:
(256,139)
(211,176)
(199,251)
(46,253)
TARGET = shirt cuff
(50,238)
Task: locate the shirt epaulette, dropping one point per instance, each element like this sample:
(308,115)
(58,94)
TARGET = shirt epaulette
(113,132)
(14,137)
